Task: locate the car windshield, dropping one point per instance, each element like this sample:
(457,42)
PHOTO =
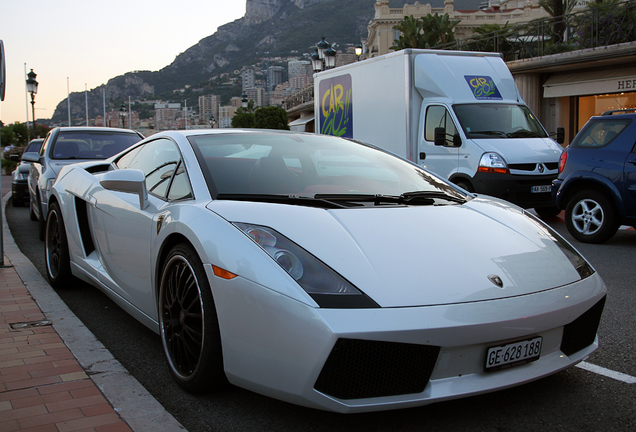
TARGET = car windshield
(307,165)
(91,145)
(496,120)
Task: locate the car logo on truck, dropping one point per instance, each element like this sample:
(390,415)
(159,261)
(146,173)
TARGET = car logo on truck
(483,87)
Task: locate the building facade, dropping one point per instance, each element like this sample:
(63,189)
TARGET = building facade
(381,34)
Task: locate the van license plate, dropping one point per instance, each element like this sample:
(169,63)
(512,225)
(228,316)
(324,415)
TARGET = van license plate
(540,189)
(513,354)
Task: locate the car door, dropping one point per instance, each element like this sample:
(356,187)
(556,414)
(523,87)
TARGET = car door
(442,160)
(124,232)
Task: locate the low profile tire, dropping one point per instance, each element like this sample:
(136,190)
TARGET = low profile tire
(547,212)
(41,220)
(590,217)
(56,256)
(188,322)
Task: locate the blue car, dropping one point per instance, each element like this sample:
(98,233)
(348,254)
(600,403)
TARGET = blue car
(596,185)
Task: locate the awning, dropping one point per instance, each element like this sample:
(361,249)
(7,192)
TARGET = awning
(589,83)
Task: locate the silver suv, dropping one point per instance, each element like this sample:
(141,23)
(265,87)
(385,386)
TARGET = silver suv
(64,146)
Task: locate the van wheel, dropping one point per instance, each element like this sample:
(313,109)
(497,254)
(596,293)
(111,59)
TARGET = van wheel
(465,185)
(590,217)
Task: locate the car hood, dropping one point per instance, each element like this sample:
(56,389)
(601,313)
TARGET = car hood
(522,150)
(422,255)
(57,164)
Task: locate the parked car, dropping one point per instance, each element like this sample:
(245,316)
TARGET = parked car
(19,187)
(67,145)
(321,271)
(597,177)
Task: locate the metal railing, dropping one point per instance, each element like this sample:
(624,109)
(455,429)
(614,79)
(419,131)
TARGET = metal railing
(299,97)
(595,26)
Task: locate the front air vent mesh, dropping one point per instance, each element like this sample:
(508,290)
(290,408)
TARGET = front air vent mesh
(82,221)
(581,332)
(359,369)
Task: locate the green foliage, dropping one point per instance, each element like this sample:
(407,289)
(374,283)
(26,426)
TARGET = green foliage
(242,119)
(16,134)
(271,117)
(426,32)
(8,166)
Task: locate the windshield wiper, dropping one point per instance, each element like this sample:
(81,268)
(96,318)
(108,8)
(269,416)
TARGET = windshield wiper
(413,198)
(524,133)
(484,132)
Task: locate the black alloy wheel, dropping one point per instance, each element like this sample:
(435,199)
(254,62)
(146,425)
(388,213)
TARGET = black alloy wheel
(58,266)
(188,322)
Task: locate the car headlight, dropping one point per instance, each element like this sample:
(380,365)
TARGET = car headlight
(493,163)
(19,175)
(583,268)
(324,285)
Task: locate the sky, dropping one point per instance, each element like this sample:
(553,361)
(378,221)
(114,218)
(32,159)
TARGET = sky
(78,44)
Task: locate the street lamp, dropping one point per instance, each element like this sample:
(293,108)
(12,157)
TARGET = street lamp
(32,87)
(358,51)
(325,56)
(244,100)
(212,121)
(122,114)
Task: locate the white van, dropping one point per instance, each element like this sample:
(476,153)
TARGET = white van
(458,114)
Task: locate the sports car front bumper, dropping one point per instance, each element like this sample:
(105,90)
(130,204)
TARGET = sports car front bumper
(378,359)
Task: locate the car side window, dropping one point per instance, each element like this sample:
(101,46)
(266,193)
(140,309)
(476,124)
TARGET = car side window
(160,161)
(45,144)
(438,116)
(598,134)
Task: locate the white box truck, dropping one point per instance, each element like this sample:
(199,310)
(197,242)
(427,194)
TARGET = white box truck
(457,114)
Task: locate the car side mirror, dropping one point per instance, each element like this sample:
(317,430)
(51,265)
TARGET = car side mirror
(31,157)
(440,136)
(560,136)
(129,181)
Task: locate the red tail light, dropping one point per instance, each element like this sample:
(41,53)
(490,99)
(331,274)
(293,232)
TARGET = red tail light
(562,160)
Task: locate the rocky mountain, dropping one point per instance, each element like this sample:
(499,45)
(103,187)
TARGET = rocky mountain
(276,27)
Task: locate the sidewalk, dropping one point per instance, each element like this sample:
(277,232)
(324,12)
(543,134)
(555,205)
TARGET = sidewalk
(54,375)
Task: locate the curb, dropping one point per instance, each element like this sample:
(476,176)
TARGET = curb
(138,408)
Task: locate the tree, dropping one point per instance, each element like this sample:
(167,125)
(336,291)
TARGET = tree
(271,117)
(243,119)
(426,32)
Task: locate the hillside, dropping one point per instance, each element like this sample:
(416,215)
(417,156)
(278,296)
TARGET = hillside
(274,26)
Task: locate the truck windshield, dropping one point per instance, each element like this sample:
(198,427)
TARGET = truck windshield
(494,120)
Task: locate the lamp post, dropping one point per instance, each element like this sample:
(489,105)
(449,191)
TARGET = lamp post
(32,87)
(212,121)
(244,101)
(122,114)
(358,51)
(324,57)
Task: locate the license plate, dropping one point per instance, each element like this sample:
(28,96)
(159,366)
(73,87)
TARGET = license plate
(541,189)
(513,354)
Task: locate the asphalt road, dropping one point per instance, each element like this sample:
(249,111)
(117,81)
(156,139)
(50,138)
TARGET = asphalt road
(573,400)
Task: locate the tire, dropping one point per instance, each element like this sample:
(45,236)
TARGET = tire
(41,219)
(591,217)
(56,256)
(465,185)
(32,214)
(547,212)
(15,202)
(188,323)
